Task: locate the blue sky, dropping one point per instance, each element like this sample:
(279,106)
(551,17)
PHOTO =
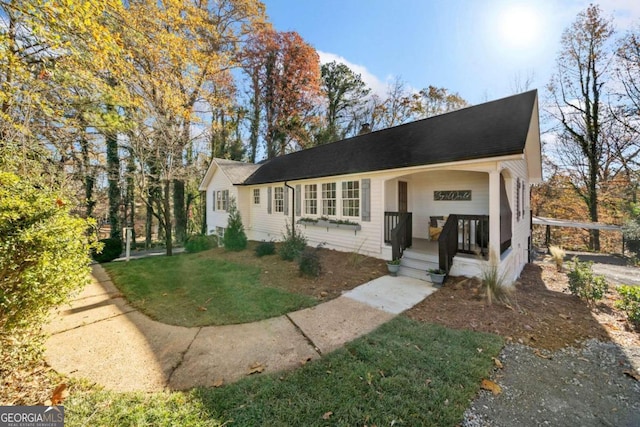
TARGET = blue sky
(473,47)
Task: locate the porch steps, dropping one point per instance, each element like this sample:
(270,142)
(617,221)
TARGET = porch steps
(415,264)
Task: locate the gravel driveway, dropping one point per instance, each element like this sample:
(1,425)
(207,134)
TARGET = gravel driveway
(569,387)
(584,386)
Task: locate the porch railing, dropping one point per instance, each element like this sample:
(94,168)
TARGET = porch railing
(398,230)
(465,234)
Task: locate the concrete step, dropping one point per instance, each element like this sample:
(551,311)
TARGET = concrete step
(416,273)
(411,254)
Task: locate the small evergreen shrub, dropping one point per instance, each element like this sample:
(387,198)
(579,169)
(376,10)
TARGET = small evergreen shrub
(111,249)
(309,263)
(584,284)
(265,248)
(630,303)
(234,238)
(199,243)
(293,245)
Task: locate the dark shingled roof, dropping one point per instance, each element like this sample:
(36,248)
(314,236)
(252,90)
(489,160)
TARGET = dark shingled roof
(493,129)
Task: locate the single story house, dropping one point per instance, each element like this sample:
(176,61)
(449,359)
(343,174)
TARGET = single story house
(450,191)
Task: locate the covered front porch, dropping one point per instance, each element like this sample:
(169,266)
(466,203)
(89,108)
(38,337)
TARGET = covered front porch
(434,217)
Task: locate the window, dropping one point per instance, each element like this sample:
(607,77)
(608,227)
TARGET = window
(278,199)
(518,199)
(311,199)
(351,198)
(222,200)
(256,196)
(329,199)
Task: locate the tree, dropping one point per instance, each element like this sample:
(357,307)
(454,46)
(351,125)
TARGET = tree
(345,94)
(432,101)
(234,238)
(578,91)
(180,52)
(284,75)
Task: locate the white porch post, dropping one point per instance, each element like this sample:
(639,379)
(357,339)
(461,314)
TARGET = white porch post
(494,215)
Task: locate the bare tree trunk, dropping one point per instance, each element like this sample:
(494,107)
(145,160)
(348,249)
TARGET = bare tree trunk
(113,175)
(167,218)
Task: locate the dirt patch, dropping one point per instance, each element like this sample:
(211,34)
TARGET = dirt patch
(340,271)
(542,313)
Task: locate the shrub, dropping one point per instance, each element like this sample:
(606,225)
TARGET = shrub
(111,249)
(43,258)
(584,284)
(265,248)
(309,263)
(293,244)
(234,237)
(630,303)
(557,254)
(200,242)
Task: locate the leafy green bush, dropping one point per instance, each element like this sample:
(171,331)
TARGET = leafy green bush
(293,244)
(265,248)
(43,258)
(111,249)
(584,284)
(234,237)
(199,243)
(630,303)
(309,263)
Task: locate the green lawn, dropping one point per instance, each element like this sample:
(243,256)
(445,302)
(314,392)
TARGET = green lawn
(404,373)
(198,289)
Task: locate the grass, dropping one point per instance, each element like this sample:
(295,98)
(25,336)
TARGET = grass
(404,373)
(200,289)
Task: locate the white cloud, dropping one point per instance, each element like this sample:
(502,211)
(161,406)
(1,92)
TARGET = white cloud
(377,86)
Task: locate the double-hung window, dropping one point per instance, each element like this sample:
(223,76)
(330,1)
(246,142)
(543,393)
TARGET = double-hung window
(278,199)
(222,200)
(311,199)
(351,198)
(329,199)
(256,196)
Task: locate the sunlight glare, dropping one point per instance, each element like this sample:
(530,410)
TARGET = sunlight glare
(519,26)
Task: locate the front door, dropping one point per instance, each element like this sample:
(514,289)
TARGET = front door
(402,196)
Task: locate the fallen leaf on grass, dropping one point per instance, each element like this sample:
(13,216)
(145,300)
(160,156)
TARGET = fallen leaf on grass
(632,374)
(164,294)
(305,360)
(218,383)
(59,394)
(497,362)
(427,381)
(491,386)
(256,368)
(327,415)
(202,308)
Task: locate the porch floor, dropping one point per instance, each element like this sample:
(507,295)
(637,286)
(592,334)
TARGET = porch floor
(424,246)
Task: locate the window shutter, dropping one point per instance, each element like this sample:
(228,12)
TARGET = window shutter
(213,195)
(298,200)
(286,200)
(269,200)
(225,195)
(366,199)
(518,199)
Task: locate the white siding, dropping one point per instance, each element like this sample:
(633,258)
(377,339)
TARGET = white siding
(513,261)
(265,226)
(421,203)
(218,218)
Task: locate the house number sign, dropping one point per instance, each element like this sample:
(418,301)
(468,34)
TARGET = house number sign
(453,195)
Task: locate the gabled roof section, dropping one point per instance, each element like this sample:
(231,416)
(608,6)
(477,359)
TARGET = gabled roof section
(236,172)
(494,129)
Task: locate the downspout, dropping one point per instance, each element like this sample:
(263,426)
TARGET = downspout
(293,209)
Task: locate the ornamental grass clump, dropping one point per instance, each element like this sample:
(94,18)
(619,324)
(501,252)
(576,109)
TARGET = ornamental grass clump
(557,254)
(495,285)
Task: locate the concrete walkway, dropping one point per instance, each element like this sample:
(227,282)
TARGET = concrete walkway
(103,339)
